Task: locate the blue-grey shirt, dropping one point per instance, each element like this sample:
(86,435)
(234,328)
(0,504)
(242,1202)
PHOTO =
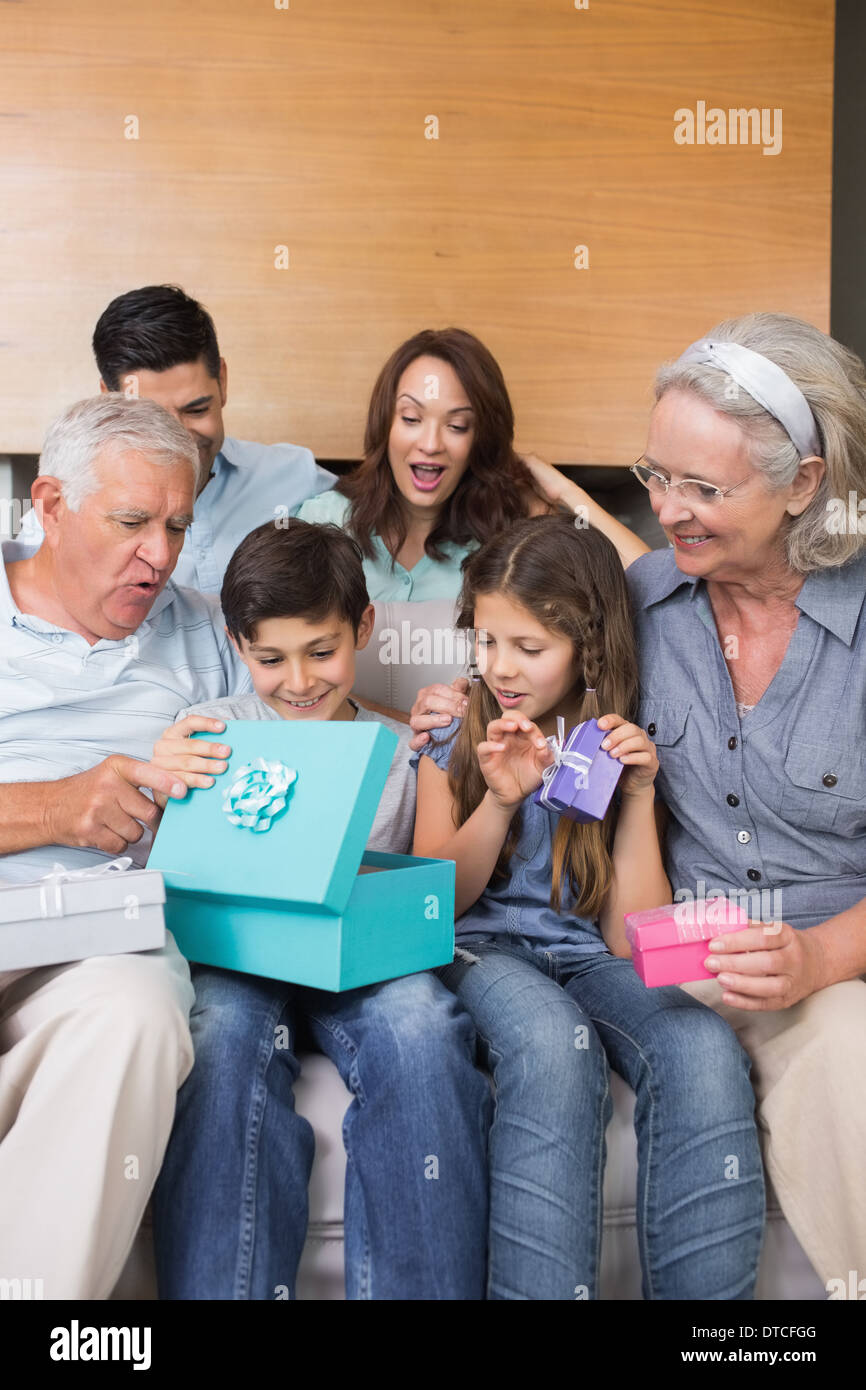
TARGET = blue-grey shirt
(518,905)
(66,705)
(251,484)
(774,804)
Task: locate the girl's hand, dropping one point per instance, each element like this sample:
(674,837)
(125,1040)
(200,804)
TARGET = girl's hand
(194,760)
(512,759)
(635,750)
(769,965)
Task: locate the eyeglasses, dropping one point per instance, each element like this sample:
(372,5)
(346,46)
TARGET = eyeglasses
(690,489)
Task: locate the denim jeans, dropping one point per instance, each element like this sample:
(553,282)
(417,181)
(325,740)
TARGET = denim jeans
(230,1205)
(550,1023)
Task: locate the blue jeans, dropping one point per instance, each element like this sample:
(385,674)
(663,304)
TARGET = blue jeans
(550,1022)
(230,1205)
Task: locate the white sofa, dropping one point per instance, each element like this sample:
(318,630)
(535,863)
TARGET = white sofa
(785,1272)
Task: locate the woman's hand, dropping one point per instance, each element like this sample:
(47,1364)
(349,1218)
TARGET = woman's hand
(551,485)
(769,965)
(513,758)
(435,706)
(635,750)
(195,761)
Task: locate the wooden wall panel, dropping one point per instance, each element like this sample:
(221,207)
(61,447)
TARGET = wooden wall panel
(306,127)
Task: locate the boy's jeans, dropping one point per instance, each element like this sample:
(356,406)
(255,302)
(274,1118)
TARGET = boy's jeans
(549,1021)
(230,1205)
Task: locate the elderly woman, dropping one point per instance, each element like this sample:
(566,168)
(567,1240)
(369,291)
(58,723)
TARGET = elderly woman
(752,635)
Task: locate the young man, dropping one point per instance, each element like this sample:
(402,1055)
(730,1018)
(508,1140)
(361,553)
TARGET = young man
(230,1207)
(159,343)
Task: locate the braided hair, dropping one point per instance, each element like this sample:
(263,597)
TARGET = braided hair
(572,582)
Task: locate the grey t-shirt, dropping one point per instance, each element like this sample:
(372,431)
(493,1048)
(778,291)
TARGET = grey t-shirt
(394,823)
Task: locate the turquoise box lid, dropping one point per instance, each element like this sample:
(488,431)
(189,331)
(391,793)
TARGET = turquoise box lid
(301,836)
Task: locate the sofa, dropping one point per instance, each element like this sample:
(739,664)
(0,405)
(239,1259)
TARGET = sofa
(411,647)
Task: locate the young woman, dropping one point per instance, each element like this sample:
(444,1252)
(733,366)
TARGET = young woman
(440,475)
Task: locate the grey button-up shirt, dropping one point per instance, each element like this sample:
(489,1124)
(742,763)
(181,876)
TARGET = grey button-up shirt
(772,806)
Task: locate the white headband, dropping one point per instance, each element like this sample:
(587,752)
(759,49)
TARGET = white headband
(766,383)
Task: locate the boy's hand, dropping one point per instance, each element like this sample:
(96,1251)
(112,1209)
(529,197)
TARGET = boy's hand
(195,761)
(635,750)
(435,706)
(513,758)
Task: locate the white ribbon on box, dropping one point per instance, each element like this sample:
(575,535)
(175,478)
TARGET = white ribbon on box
(51,902)
(563,757)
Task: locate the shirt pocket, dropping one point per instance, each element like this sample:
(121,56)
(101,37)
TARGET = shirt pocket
(823,788)
(666,721)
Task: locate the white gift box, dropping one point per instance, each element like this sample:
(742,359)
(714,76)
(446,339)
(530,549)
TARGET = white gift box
(70,915)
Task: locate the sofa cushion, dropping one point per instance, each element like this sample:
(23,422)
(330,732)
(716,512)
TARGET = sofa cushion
(413,645)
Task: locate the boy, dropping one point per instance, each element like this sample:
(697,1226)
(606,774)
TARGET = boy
(230,1206)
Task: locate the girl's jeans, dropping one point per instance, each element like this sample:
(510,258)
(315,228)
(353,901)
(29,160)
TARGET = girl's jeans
(230,1206)
(550,1022)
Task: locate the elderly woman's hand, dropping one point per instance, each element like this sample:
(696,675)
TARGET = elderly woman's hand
(769,965)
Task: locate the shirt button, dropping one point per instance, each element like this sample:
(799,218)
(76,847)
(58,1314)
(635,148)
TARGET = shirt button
(57,637)
(829,779)
(732,742)
(754,875)
(744,837)
(732,800)
(651,729)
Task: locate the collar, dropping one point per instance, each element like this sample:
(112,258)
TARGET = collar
(10,613)
(9,552)
(833,597)
(230,455)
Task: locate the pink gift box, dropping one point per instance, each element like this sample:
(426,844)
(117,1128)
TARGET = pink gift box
(669,944)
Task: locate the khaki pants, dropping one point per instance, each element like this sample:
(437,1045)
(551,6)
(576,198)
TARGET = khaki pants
(91,1057)
(809,1075)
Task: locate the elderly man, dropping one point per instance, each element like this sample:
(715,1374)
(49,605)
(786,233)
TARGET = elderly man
(99,651)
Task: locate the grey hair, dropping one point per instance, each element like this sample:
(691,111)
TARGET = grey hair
(833,380)
(102,426)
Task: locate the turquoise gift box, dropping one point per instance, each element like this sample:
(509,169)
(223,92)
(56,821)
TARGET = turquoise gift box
(266,871)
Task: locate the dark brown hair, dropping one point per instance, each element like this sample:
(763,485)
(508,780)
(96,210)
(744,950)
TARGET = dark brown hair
(572,582)
(492,492)
(153,329)
(293,569)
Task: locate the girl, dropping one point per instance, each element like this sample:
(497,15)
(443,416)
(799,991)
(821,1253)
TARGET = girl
(540,902)
(440,475)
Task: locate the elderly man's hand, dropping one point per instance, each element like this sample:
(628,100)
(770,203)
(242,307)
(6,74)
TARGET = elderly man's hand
(435,706)
(101,809)
(767,966)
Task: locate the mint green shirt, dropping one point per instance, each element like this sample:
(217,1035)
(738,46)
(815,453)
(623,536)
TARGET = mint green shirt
(386,581)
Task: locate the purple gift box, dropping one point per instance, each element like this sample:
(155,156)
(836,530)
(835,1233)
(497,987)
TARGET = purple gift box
(581,782)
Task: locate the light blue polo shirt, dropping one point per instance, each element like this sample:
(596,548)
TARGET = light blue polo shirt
(66,705)
(251,484)
(388,582)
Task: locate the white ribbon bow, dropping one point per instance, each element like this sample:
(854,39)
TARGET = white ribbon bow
(563,757)
(259,791)
(51,905)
